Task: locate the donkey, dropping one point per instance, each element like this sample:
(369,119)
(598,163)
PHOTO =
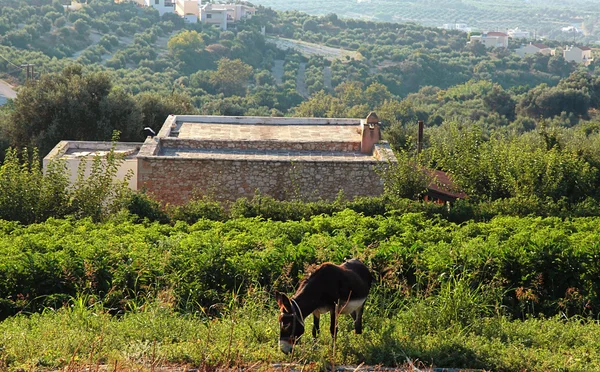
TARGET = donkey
(343,286)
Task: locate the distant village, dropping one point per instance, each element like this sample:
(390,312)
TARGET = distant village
(193,11)
(498,39)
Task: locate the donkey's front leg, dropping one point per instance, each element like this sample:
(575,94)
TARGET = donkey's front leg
(315,329)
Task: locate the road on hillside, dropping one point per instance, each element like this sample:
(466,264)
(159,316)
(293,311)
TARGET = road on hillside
(6,91)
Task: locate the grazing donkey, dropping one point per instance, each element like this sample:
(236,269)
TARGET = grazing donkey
(343,286)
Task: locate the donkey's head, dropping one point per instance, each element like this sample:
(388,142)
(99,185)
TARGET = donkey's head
(291,322)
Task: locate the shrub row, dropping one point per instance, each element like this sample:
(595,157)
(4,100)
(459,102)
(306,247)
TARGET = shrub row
(530,265)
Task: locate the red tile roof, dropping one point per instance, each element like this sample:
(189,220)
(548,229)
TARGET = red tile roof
(443,184)
(494,33)
(584,48)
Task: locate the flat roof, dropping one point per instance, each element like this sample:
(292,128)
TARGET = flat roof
(90,149)
(265,155)
(262,132)
(258,138)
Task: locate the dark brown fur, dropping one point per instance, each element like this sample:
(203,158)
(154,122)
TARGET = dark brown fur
(328,287)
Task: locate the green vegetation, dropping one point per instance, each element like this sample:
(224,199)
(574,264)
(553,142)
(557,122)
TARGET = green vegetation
(177,287)
(94,274)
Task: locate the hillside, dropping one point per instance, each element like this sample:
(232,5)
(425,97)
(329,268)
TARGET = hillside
(545,18)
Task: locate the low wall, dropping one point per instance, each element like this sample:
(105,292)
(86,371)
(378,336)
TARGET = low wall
(335,146)
(175,181)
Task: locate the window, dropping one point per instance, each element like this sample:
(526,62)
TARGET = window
(156,2)
(207,16)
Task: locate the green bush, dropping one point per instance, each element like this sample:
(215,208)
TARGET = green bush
(519,266)
(197,209)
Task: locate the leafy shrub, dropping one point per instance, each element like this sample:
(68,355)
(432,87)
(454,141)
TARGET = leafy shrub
(197,209)
(144,207)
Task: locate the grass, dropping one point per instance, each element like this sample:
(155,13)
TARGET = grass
(245,334)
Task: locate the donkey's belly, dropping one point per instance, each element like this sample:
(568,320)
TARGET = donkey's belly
(352,305)
(347,308)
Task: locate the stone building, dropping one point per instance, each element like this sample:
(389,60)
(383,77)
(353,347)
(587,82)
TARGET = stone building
(231,157)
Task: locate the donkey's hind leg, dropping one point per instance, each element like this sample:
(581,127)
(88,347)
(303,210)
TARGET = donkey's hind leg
(357,317)
(315,329)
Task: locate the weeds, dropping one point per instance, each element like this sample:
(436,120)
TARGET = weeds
(246,334)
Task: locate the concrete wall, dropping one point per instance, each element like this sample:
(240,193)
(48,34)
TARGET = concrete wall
(175,180)
(128,165)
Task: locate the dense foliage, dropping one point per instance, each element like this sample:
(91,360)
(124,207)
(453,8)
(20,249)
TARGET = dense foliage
(530,266)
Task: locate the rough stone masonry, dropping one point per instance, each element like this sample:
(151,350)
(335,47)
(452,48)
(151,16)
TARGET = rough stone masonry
(226,158)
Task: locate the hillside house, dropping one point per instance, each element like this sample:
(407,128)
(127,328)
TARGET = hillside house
(223,15)
(517,33)
(163,6)
(491,39)
(457,26)
(189,10)
(534,49)
(232,157)
(577,54)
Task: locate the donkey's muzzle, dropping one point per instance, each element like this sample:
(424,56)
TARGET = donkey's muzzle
(286,346)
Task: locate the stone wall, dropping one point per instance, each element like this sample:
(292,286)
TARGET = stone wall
(174,181)
(337,146)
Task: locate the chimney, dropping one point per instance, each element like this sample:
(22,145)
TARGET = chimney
(369,130)
(420,137)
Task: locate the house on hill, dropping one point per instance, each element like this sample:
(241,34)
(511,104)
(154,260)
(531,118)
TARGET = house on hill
(578,54)
(224,15)
(189,10)
(534,49)
(491,39)
(517,33)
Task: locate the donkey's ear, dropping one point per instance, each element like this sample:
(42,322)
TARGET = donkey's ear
(283,301)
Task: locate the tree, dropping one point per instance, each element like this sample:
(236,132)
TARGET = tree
(310,25)
(321,105)
(405,178)
(81,26)
(155,108)
(500,101)
(188,47)
(71,105)
(231,77)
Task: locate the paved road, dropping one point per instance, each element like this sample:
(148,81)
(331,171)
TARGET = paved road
(309,49)
(6,92)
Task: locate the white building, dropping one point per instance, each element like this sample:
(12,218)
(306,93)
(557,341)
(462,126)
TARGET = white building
(457,26)
(74,153)
(491,39)
(225,14)
(163,6)
(188,9)
(571,29)
(578,54)
(534,49)
(517,33)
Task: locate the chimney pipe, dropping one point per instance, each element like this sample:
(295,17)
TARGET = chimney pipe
(420,137)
